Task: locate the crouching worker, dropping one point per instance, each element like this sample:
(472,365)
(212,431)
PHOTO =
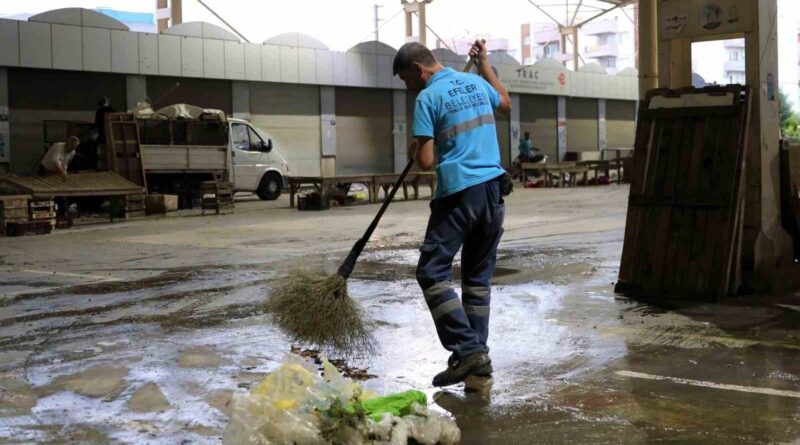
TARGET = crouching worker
(58,157)
(454,114)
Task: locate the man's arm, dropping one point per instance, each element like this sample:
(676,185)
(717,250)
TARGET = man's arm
(421,151)
(479,54)
(424,155)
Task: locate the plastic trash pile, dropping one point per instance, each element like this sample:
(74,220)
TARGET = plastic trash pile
(295,405)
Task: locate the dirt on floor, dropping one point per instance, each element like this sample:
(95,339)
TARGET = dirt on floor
(141,332)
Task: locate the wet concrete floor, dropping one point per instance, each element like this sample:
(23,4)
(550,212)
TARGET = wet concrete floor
(140,332)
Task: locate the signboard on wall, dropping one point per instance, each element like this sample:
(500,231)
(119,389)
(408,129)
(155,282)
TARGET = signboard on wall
(5,146)
(533,80)
(700,18)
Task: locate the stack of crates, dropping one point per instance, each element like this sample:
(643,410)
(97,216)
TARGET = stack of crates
(42,210)
(40,218)
(217,196)
(13,209)
(134,206)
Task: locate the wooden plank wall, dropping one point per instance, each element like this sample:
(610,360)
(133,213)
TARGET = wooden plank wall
(683,231)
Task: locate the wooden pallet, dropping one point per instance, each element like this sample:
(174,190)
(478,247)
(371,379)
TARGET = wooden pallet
(684,223)
(790,192)
(123,148)
(29,228)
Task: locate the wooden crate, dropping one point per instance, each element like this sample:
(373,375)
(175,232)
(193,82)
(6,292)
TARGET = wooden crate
(217,196)
(134,206)
(13,208)
(160,204)
(135,203)
(683,229)
(42,210)
(29,228)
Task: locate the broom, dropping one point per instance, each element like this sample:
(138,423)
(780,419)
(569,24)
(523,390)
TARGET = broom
(316,309)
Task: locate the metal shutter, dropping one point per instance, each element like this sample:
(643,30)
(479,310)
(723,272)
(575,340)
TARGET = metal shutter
(582,128)
(291,115)
(364,140)
(620,123)
(539,115)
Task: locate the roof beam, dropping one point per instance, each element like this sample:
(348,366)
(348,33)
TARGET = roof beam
(600,14)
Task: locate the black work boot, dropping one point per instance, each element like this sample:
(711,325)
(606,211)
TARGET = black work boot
(481,371)
(458,370)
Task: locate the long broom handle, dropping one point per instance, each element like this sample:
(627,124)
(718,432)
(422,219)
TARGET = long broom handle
(349,263)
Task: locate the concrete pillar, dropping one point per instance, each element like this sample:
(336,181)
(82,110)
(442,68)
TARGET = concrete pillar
(135,90)
(423,30)
(648,46)
(602,129)
(561,128)
(240,98)
(327,122)
(514,130)
(680,64)
(161,7)
(772,247)
(399,130)
(5,131)
(576,56)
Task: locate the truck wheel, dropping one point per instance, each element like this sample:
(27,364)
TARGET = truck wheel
(270,187)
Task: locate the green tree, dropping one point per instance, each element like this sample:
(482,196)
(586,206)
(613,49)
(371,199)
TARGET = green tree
(790,121)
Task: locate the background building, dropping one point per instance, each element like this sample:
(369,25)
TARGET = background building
(135,21)
(540,40)
(608,42)
(330,112)
(461,45)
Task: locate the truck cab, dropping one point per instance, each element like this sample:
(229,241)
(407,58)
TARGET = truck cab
(257,166)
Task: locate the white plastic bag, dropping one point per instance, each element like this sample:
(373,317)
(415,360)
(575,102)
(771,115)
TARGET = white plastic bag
(282,409)
(293,405)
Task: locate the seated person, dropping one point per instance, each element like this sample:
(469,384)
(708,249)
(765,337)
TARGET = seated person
(58,156)
(527,152)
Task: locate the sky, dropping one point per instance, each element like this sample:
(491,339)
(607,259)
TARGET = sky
(339,24)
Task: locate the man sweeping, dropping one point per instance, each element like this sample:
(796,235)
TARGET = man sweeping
(454,114)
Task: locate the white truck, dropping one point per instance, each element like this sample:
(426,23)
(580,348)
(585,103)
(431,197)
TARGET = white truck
(178,152)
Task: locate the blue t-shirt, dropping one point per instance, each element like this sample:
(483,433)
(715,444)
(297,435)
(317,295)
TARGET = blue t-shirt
(525,147)
(457,110)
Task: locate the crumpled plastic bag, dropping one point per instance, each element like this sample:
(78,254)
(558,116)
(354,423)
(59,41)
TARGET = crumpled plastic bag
(280,410)
(295,405)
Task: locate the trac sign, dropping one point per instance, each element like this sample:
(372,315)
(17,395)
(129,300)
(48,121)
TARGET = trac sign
(533,80)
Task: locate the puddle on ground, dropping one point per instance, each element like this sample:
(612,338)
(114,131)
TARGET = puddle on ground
(199,357)
(157,360)
(544,265)
(148,399)
(97,381)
